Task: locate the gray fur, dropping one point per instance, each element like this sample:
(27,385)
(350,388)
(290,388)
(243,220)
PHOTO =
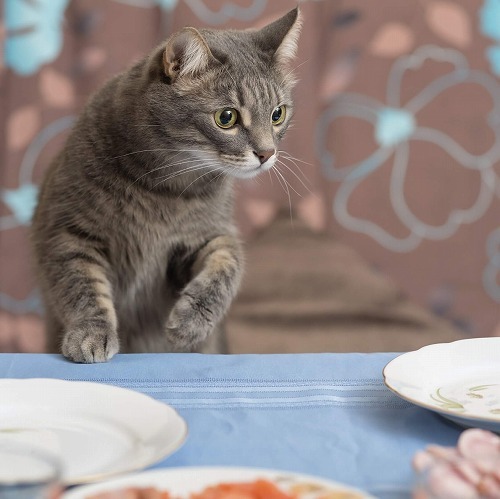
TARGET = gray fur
(134,241)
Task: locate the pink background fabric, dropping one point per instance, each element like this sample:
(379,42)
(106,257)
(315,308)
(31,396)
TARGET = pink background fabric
(396,135)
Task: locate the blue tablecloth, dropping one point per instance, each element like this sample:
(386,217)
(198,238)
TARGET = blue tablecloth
(323,414)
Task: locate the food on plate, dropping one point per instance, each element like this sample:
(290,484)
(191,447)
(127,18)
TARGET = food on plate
(257,489)
(471,470)
(133,493)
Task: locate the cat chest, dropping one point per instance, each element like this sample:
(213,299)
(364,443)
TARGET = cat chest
(152,256)
(153,268)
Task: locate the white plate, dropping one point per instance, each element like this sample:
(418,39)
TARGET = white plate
(98,430)
(459,380)
(192,479)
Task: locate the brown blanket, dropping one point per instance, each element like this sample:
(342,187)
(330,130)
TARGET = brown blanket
(308,292)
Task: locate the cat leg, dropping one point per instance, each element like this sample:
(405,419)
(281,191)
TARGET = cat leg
(206,298)
(81,298)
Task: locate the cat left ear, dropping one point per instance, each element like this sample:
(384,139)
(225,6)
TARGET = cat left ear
(186,53)
(280,37)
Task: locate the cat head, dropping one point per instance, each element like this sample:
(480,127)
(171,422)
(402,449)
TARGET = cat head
(228,93)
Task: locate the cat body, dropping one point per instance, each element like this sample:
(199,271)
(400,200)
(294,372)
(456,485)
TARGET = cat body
(134,241)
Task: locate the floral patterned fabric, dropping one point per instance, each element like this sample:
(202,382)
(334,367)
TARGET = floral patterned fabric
(396,134)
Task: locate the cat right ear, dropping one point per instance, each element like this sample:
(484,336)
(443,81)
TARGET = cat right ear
(280,37)
(186,53)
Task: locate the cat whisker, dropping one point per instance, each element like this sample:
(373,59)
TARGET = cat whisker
(201,176)
(160,149)
(257,179)
(173,176)
(293,160)
(212,167)
(138,152)
(197,162)
(178,163)
(162,167)
(296,176)
(291,163)
(288,183)
(188,169)
(222,171)
(293,70)
(289,156)
(190,160)
(279,180)
(284,185)
(270,176)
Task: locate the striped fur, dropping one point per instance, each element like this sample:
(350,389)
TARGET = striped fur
(133,235)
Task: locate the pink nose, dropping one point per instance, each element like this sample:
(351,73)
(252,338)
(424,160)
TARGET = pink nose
(264,155)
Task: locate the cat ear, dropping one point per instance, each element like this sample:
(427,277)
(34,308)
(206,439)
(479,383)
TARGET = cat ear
(280,37)
(186,53)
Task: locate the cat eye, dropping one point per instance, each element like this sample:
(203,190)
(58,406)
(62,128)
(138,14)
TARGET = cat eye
(226,118)
(278,115)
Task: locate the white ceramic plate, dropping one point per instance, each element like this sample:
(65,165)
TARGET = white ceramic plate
(184,481)
(98,430)
(459,380)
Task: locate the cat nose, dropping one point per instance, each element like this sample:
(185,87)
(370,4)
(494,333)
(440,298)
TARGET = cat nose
(264,155)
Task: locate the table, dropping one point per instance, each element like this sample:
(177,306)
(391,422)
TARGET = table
(324,414)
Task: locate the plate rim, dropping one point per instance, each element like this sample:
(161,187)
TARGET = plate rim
(166,450)
(77,492)
(445,412)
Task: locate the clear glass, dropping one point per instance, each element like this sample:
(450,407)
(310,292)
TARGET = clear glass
(27,473)
(385,491)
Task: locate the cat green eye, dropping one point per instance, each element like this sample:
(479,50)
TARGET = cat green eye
(278,115)
(226,118)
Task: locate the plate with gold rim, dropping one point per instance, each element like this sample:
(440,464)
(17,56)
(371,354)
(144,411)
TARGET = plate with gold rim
(96,430)
(459,380)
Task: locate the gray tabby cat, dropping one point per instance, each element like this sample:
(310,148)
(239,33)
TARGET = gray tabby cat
(134,241)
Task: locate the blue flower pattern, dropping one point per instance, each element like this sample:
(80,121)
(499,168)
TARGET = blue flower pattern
(22,202)
(34,33)
(489,24)
(394,127)
(146,4)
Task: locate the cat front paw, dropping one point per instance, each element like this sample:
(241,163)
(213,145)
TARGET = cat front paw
(88,344)
(190,322)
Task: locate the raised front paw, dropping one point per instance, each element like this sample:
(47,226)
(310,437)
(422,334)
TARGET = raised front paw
(190,322)
(89,343)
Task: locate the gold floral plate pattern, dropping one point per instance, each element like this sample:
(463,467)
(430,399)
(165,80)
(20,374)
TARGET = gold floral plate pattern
(459,380)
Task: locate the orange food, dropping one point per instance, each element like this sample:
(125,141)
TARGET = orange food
(260,489)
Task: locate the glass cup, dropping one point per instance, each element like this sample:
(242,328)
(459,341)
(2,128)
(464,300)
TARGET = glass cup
(386,491)
(28,473)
